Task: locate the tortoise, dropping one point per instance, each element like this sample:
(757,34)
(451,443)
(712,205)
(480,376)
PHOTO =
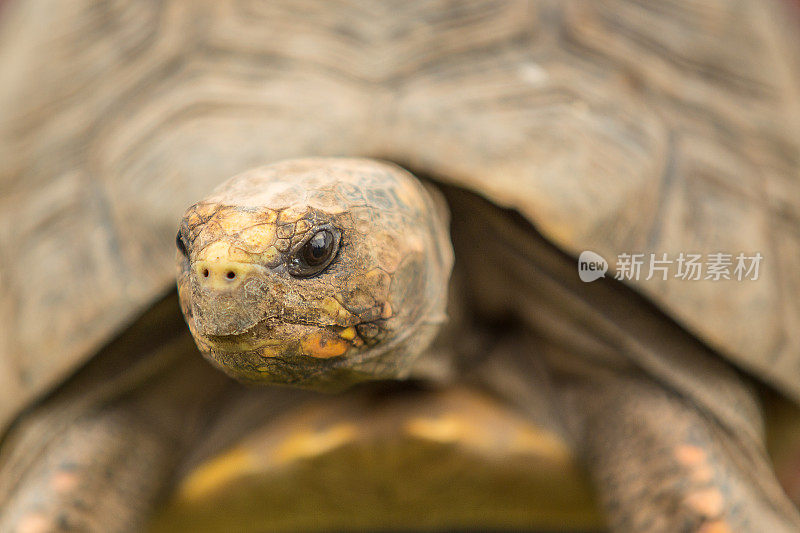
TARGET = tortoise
(541,130)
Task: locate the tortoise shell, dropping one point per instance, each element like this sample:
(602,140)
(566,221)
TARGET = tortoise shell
(616,126)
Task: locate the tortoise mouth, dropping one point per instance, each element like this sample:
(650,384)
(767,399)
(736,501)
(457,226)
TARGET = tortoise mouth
(239,342)
(306,355)
(271,339)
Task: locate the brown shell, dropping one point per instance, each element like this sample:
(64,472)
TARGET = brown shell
(615,126)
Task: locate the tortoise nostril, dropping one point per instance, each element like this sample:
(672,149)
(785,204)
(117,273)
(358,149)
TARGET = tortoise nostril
(221,274)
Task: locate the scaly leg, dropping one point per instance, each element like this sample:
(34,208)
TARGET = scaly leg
(97,454)
(102,474)
(662,465)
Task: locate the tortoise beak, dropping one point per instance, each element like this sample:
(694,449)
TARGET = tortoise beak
(223,304)
(217,315)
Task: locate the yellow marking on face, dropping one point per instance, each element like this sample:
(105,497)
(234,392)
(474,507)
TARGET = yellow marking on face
(258,237)
(386,311)
(292,214)
(216,473)
(334,310)
(270,255)
(222,275)
(314,443)
(323,345)
(348,334)
(233,221)
(221,251)
(270,351)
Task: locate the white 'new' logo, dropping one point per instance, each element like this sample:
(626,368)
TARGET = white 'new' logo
(591,266)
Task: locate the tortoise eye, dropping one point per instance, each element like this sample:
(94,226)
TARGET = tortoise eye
(181,245)
(315,254)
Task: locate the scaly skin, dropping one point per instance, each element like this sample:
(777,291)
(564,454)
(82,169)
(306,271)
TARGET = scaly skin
(261,313)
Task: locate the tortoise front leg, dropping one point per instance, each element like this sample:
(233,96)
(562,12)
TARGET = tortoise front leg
(663,465)
(97,455)
(102,474)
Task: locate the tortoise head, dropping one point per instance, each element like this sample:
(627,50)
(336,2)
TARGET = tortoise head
(315,272)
